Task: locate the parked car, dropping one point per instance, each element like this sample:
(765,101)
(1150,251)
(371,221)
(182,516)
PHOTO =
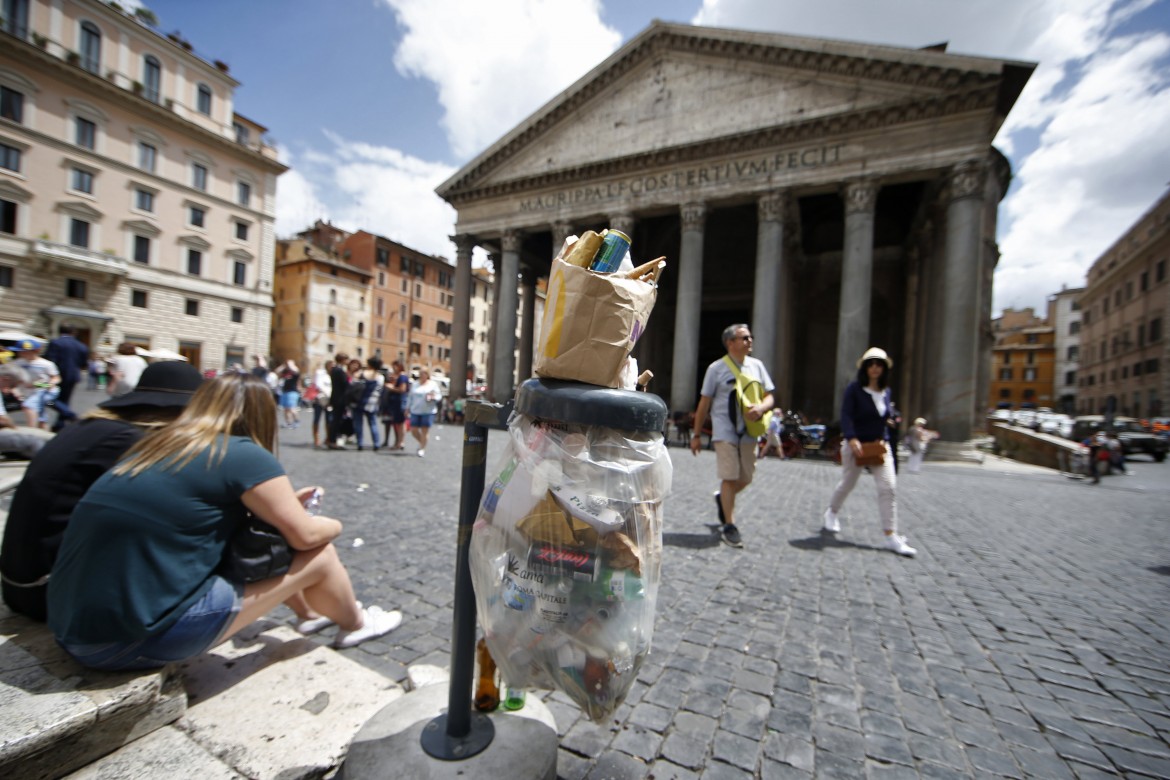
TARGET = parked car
(1001,415)
(1135,440)
(1056,424)
(1025,417)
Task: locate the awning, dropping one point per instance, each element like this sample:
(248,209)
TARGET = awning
(69,311)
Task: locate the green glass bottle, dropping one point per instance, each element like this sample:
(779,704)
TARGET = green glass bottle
(515,698)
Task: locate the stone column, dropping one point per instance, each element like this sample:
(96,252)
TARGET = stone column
(560,229)
(461,326)
(489,371)
(962,273)
(527,321)
(688,308)
(504,355)
(769,316)
(623,222)
(856,281)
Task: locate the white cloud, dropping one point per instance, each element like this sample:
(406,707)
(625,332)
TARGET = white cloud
(361,186)
(297,206)
(495,63)
(1101,162)
(1098,104)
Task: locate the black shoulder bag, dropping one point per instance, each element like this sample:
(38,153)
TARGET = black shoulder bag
(256,551)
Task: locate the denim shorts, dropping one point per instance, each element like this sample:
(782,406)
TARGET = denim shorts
(199,629)
(421,420)
(290,399)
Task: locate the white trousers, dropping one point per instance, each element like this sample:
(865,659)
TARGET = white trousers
(914,465)
(884,479)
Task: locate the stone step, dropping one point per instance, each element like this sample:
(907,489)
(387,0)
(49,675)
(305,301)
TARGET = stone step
(267,703)
(59,716)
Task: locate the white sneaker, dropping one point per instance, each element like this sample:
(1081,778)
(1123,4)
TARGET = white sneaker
(313,625)
(375,622)
(422,453)
(898,545)
(832,522)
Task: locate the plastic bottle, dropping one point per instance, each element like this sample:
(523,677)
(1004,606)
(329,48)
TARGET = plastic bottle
(618,585)
(487,691)
(313,502)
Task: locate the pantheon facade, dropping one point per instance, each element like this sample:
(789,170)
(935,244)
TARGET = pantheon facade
(833,195)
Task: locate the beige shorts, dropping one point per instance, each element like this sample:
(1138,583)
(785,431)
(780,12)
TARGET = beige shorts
(736,463)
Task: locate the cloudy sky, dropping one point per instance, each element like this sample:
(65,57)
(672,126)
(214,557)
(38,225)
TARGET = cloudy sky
(375,102)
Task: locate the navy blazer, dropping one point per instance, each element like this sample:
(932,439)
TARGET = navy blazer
(70,355)
(859,417)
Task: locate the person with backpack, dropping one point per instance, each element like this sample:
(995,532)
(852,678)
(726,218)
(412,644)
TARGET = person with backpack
(867,410)
(737,394)
(364,395)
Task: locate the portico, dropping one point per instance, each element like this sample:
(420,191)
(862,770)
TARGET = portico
(832,195)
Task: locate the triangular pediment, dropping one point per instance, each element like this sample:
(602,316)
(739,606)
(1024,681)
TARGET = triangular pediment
(675,87)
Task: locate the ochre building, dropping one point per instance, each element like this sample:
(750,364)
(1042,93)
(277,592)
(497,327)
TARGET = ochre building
(833,195)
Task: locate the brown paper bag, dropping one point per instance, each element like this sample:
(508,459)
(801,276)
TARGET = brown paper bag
(591,323)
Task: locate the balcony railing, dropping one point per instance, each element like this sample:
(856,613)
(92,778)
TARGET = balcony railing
(80,258)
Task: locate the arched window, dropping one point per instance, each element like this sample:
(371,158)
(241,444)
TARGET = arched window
(332,323)
(203,100)
(91,47)
(361,329)
(333,296)
(151,78)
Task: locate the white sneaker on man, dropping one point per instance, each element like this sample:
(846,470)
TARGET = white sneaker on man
(832,522)
(898,545)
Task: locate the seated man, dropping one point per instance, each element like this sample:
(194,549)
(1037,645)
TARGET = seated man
(16,442)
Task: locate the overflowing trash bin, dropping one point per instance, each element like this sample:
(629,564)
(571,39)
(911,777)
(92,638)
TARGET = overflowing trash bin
(566,548)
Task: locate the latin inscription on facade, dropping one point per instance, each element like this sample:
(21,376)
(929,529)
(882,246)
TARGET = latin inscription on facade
(687,178)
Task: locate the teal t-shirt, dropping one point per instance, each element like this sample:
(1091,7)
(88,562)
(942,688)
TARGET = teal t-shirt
(139,551)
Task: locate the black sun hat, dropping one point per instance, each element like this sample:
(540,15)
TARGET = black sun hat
(168,383)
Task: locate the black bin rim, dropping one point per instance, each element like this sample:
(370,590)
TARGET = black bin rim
(582,404)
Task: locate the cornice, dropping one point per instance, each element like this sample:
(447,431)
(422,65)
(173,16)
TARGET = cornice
(140,107)
(866,120)
(666,38)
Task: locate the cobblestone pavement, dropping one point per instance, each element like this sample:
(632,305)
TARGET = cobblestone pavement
(1029,638)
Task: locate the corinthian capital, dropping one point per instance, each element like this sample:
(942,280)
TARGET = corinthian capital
(771,206)
(511,240)
(464,243)
(693,215)
(860,196)
(561,229)
(623,223)
(967,180)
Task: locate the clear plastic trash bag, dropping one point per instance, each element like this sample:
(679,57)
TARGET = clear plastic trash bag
(566,556)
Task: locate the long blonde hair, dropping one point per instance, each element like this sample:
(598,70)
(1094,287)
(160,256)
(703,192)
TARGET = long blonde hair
(232,404)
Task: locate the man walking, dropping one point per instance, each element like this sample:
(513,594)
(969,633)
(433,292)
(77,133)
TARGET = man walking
(735,448)
(339,379)
(71,356)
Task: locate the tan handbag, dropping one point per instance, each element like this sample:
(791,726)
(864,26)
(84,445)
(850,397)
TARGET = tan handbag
(873,453)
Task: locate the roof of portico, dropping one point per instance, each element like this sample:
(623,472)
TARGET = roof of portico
(805,90)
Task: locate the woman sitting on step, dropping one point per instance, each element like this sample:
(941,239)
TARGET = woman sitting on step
(136,586)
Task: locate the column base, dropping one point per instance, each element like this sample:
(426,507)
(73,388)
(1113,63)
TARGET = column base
(961,451)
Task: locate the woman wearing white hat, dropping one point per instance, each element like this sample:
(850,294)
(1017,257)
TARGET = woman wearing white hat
(918,438)
(866,414)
